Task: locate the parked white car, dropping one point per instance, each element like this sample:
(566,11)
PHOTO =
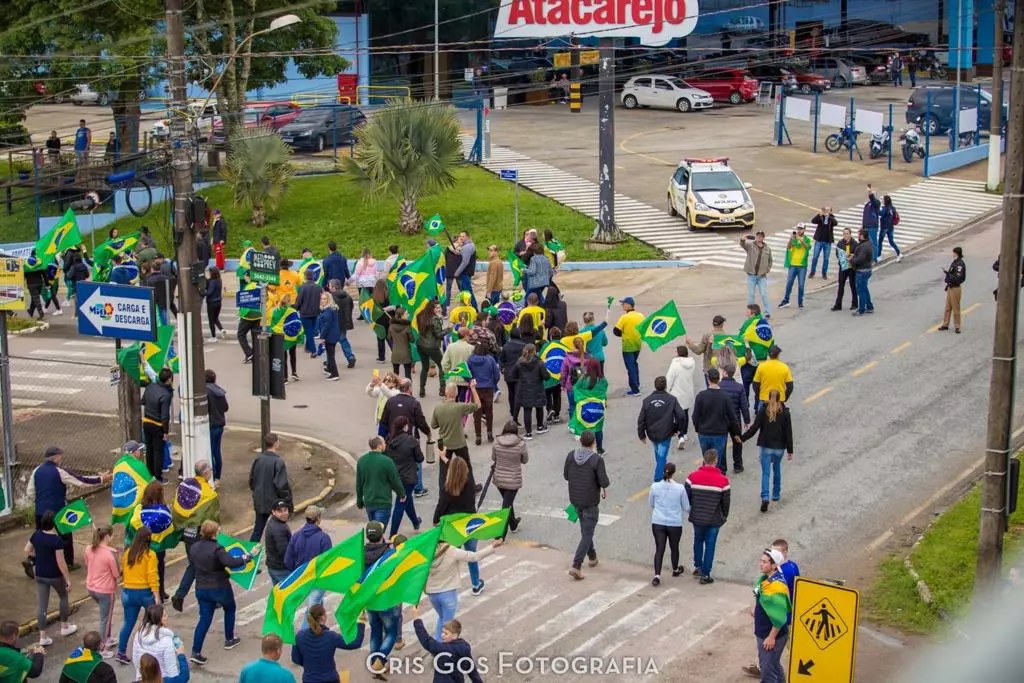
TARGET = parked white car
(202,124)
(743,25)
(665,92)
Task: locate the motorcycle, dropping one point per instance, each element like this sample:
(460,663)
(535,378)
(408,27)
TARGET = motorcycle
(968,138)
(844,138)
(911,144)
(880,144)
(936,69)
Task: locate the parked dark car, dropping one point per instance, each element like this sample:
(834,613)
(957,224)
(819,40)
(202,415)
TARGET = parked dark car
(939,118)
(875,65)
(773,73)
(317,128)
(808,81)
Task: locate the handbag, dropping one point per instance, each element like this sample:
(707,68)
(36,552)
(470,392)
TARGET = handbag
(430,455)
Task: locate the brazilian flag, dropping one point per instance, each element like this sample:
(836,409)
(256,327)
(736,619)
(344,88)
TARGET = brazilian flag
(314,266)
(434,225)
(72,517)
(128,359)
(758,334)
(507,314)
(194,502)
(158,519)
(397,267)
(460,371)
(108,250)
(416,282)
(244,576)
(739,347)
(516,265)
(130,479)
(458,528)
(661,327)
(371,312)
(79,665)
(286,322)
(286,597)
(552,355)
(591,403)
(61,237)
(440,274)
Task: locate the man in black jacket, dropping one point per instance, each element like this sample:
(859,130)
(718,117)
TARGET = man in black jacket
(268,481)
(824,235)
(741,406)
(661,417)
(847,275)
(217,402)
(405,404)
(863,260)
(588,484)
(511,352)
(307,303)
(276,542)
(714,419)
(345,306)
(156,420)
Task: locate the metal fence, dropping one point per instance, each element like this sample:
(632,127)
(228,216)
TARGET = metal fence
(65,403)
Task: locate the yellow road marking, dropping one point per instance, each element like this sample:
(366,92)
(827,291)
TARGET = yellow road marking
(822,180)
(902,347)
(815,397)
(972,307)
(638,495)
(861,370)
(935,328)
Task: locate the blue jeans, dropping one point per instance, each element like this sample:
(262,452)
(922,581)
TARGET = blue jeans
(570,396)
(277,575)
(599,438)
(383,633)
(661,457)
(770,661)
(632,361)
(407,508)
(309,328)
(445,605)
(771,458)
(216,437)
(382,515)
(864,302)
(821,248)
(755,284)
(494,297)
(183,672)
(316,597)
(799,275)
(704,540)
(419,478)
(886,233)
(873,236)
(716,441)
(474,567)
(134,600)
(346,347)
(209,600)
(167,462)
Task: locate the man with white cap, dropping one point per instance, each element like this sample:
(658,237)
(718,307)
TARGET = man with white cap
(771,612)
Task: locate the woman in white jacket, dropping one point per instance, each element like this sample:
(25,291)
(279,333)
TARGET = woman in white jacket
(155,639)
(445,579)
(680,385)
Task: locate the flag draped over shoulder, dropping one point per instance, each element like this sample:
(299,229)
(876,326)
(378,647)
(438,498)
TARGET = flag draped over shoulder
(80,664)
(415,284)
(458,528)
(398,577)
(72,517)
(108,250)
(62,236)
(516,265)
(662,326)
(773,596)
(591,404)
(129,480)
(244,576)
(160,522)
(195,501)
(729,341)
(287,323)
(552,355)
(758,334)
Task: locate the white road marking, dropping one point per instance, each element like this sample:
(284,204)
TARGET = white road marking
(559,513)
(616,635)
(56,376)
(95,344)
(25,402)
(583,611)
(59,354)
(38,389)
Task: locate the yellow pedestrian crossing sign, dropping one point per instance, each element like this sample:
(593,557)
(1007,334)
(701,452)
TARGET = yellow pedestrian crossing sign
(824,633)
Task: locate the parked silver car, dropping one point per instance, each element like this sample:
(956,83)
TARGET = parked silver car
(85,94)
(842,73)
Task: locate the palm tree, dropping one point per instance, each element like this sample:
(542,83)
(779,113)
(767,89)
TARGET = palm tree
(406,151)
(258,170)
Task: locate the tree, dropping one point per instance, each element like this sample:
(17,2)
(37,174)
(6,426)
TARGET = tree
(408,150)
(258,170)
(219,28)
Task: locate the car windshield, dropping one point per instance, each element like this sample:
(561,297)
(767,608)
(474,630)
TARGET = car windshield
(312,116)
(679,84)
(715,180)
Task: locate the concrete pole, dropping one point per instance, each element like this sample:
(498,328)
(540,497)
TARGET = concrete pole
(195,422)
(606,230)
(1004,348)
(995,168)
(437,69)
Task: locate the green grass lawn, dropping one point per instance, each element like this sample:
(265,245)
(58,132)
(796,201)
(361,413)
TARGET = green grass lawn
(945,559)
(321,208)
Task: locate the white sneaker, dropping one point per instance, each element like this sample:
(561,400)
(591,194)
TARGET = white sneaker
(682,444)
(212,340)
(899,258)
(223,334)
(57,312)
(45,641)
(497,395)
(68,629)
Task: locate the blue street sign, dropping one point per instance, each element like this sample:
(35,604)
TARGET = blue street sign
(509,174)
(248,298)
(119,311)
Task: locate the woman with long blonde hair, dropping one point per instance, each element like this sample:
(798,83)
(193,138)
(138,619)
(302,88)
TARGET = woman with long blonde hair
(774,430)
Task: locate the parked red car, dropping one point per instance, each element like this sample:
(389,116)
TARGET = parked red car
(726,85)
(273,115)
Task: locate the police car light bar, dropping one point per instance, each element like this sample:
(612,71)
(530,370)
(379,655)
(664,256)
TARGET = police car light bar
(712,160)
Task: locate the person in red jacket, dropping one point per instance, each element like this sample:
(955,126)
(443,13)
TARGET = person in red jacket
(709,494)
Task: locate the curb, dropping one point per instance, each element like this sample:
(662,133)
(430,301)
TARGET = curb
(324,494)
(41,327)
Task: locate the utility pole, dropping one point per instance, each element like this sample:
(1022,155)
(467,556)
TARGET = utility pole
(994,494)
(195,420)
(606,230)
(995,170)
(576,84)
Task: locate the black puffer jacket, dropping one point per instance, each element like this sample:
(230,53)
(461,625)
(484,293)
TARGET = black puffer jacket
(530,390)
(211,563)
(510,354)
(584,470)
(405,451)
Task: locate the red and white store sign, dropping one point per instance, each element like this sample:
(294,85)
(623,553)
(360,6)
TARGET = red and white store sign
(654,22)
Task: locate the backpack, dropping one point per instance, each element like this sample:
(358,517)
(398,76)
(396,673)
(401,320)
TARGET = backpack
(895,217)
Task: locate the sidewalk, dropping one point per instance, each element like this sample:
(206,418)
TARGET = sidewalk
(316,473)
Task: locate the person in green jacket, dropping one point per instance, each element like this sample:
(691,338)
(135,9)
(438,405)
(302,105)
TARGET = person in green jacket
(376,477)
(598,339)
(797,252)
(248,320)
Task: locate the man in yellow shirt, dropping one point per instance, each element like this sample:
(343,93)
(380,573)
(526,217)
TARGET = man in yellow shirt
(533,310)
(773,374)
(631,342)
(464,308)
(797,252)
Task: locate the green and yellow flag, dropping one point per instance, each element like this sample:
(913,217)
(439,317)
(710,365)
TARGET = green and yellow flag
(78,666)
(108,250)
(243,576)
(461,371)
(434,225)
(317,268)
(160,522)
(341,566)
(591,404)
(516,265)
(458,528)
(661,327)
(415,283)
(758,334)
(72,517)
(733,341)
(285,321)
(129,481)
(62,236)
(371,312)
(155,353)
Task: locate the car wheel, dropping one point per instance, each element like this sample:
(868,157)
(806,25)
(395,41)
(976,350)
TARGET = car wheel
(805,88)
(58,99)
(671,206)
(103,100)
(839,81)
(77,103)
(683,105)
(735,98)
(320,143)
(930,125)
(629,102)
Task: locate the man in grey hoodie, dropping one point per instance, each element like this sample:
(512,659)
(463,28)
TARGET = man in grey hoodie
(588,483)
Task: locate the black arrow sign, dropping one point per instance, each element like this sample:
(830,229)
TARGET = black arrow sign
(804,669)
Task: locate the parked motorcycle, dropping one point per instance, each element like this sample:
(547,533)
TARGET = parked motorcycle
(968,138)
(911,143)
(936,69)
(844,138)
(880,144)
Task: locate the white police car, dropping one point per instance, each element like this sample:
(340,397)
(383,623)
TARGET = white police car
(707,193)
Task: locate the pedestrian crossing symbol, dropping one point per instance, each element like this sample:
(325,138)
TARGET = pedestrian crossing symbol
(824,624)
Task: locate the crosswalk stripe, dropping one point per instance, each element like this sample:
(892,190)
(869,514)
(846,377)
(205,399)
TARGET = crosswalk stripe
(19,402)
(56,376)
(694,630)
(559,513)
(38,389)
(583,611)
(614,636)
(94,344)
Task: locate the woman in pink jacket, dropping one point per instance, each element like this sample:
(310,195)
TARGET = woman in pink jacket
(101,575)
(366,272)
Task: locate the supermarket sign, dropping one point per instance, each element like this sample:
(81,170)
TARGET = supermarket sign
(653,22)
